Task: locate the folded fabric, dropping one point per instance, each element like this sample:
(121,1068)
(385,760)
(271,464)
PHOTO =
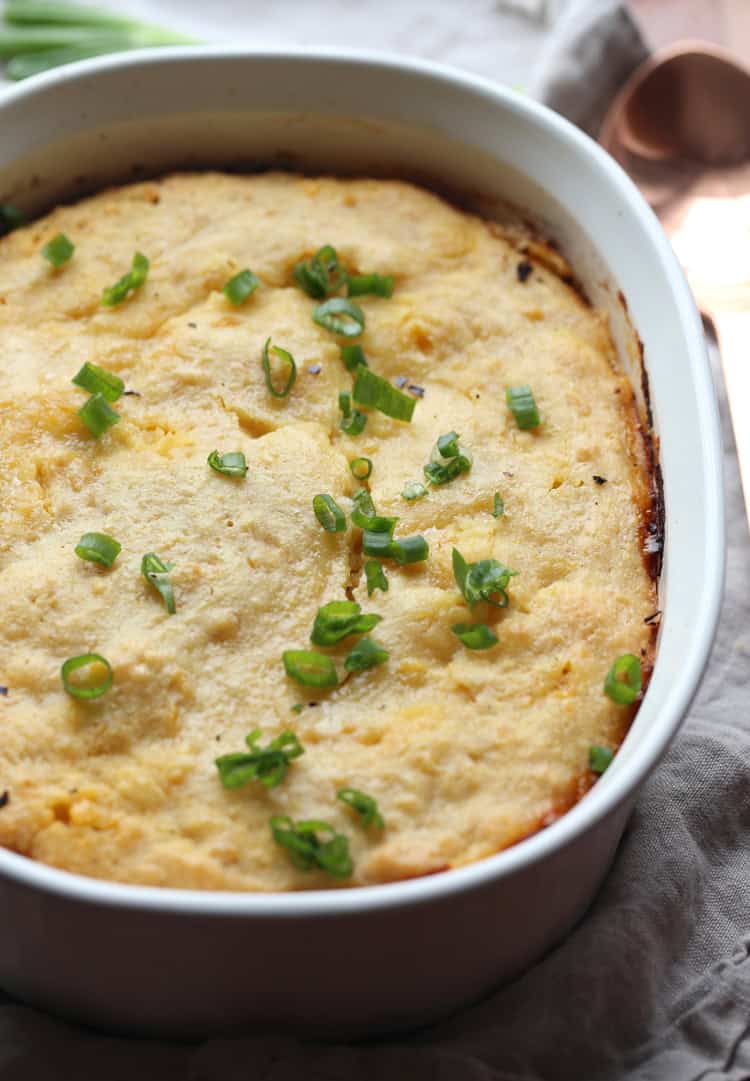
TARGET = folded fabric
(596,45)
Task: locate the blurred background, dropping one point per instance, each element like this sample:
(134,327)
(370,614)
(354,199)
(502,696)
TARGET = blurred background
(519,42)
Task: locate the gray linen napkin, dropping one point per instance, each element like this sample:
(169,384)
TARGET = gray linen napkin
(654,984)
(596,45)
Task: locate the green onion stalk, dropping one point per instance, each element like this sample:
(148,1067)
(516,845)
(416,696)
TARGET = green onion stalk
(37,35)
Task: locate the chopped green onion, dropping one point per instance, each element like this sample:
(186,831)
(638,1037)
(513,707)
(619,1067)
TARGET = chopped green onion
(375,576)
(98,380)
(268,765)
(482,581)
(232,463)
(410,549)
(340,619)
(447,445)
(98,415)
(58,250)
(447,460)
(329,514)
(313,844)
(340,316)
(361,468)
(287,358)
(365,654)
(156,572)
(353,356)
(309,668)
(498,506)
(322,275)
(413,489)
(355,423)
(96,682)
(98,548)
(365,806)
(363,502)
(380,285)
(307,281)
(364,515)
(372,523)
(377,393)
(600,758)
(405,550)
(241,286)
(352,422)
(10,218)
(128,283)
(523,407)
(624,680)
(475,635)
(437,473)
(377,544)
(298,707)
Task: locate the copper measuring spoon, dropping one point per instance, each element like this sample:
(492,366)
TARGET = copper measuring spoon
(681,128)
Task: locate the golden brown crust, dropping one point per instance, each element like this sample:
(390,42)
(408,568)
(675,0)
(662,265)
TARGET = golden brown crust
(465,752)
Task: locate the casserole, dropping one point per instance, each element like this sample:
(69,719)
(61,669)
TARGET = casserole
(81,128)
(464,751)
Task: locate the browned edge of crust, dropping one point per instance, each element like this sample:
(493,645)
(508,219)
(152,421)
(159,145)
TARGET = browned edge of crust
(531,243)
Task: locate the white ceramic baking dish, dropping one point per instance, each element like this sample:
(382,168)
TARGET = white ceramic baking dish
(362,960)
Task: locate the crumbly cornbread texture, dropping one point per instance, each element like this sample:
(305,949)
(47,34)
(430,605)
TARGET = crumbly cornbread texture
(465,752)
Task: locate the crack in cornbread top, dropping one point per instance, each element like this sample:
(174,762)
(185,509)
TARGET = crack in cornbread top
(464,752)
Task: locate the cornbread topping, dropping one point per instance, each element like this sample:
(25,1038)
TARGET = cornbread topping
(321,543)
